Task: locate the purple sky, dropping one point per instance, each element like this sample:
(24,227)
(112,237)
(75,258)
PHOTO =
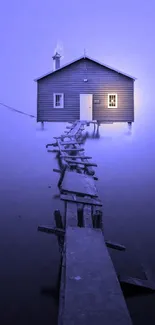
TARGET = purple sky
(119,33)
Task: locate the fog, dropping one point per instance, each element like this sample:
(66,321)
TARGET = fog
(119,34)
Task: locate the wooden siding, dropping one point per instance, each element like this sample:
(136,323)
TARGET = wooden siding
(101,81)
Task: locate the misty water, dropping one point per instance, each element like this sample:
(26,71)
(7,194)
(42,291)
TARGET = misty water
(29,260)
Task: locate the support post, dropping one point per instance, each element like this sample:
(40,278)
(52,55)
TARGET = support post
(94,127)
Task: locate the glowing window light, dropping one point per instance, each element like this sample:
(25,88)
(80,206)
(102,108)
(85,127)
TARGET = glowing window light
(112,100)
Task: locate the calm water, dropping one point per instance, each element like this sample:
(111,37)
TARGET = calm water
(30,260)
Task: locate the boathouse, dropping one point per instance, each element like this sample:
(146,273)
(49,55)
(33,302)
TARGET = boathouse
(85,89)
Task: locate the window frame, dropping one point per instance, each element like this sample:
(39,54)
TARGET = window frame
(54,100)
(112,94)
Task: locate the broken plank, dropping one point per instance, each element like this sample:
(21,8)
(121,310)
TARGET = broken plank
(62,176)
(89,169)
(60,148)
(54,150)
(137,282)
(81,162)
(78,199)
(79,183)
(65,143)
(51,230)
(74,157)
(63,136)
(71,214)
(80,149)
(51,144)
(113,245)
(57,170)
(69,126)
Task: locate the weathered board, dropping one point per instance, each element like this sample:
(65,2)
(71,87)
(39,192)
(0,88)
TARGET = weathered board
(69,127)
(138,282)
(79,199)
(87,216)
(78,126)
(80,162)
(52,144)
(52,230)
(57,170)
(92,291)
(71,149)
(79,183)
(66,143)
(62,291)
(116,246)
(81,157)
(71,214)
(63,137)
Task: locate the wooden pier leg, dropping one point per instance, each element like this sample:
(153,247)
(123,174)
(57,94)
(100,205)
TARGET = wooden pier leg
(42,125)
(94,127)
(59,225)
(58,219)
(97,131)
(97,217)
(130,126)
(61,176)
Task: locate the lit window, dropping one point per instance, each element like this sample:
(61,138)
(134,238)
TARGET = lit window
(112,100)
(58,100)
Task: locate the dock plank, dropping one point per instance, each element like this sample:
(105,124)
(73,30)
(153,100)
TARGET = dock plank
(80,162)
(75,157)
(66,143)
(71,149)
(71,214)
(92,291)
(78,199)
(87,216)
(74,131)
(79,183)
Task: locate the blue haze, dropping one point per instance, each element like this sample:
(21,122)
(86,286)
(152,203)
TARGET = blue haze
(121,34)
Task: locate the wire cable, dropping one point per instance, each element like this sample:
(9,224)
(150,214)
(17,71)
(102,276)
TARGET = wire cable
(17,111)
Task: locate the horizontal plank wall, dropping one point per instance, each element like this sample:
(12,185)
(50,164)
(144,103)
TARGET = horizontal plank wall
(70,81)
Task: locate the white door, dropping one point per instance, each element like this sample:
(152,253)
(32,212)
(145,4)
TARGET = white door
(86,107)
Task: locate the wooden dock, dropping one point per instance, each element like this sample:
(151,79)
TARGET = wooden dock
(90,292)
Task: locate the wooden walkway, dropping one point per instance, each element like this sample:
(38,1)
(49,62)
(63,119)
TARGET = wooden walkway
(90,291)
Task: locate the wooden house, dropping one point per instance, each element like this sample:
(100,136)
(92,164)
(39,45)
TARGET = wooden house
(85,89)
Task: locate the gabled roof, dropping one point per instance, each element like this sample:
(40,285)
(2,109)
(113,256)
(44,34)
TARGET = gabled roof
(85,57)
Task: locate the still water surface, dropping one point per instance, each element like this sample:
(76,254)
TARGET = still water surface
(29,260)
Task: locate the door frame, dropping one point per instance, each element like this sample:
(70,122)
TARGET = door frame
(91,104)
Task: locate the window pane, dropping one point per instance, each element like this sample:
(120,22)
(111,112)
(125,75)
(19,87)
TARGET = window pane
(58,100)
(112,101)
